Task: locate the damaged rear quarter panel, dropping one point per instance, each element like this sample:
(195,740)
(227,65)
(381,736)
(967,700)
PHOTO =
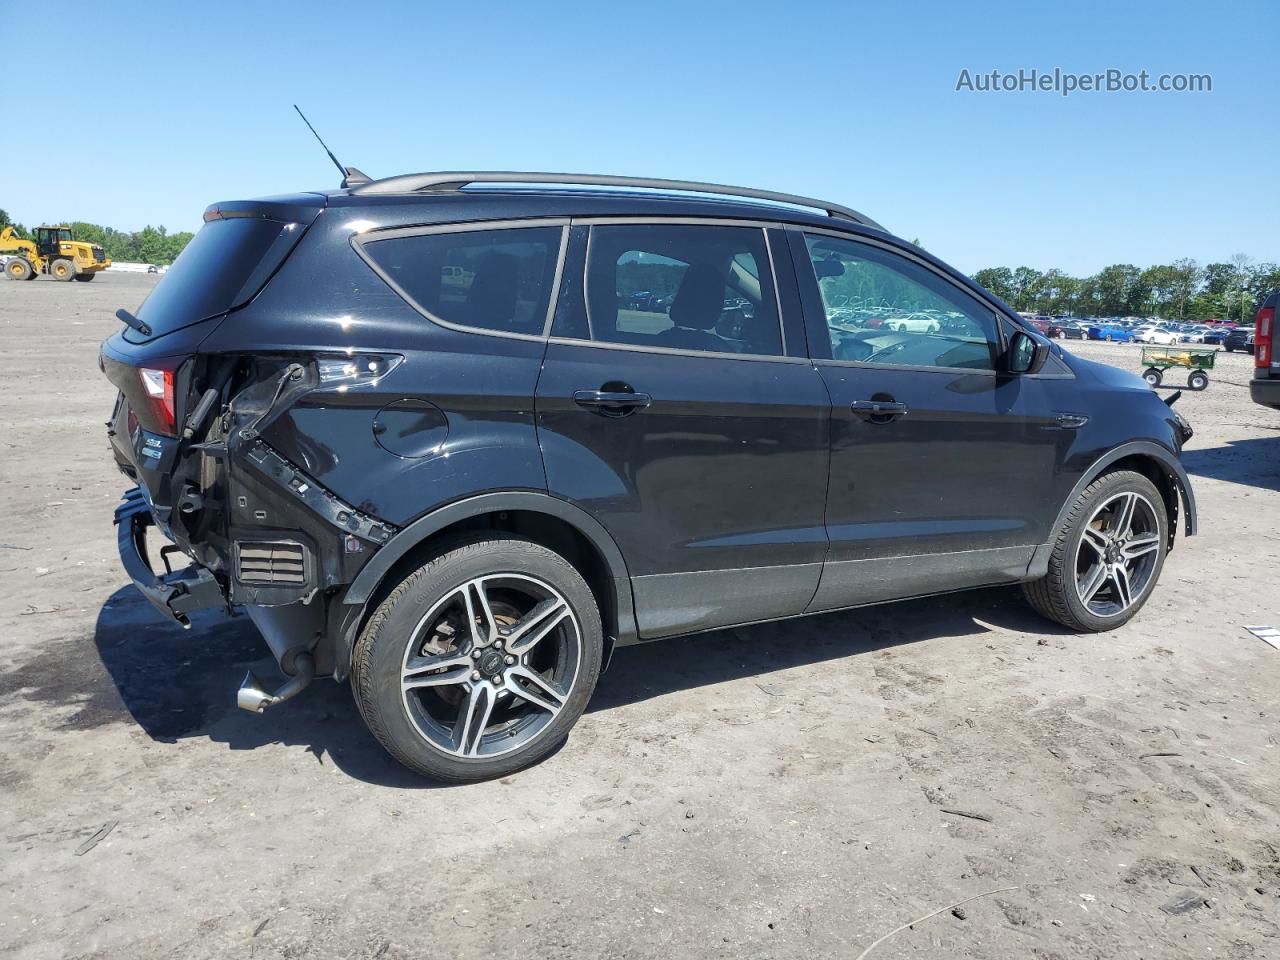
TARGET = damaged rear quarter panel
(327,300)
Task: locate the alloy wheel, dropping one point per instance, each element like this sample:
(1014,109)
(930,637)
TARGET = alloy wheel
(1117,554)
(491,665)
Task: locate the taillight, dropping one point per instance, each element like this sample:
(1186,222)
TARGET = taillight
(157,384)
(1263,327)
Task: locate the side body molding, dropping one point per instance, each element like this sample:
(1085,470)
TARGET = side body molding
(375,570)
(1039,564)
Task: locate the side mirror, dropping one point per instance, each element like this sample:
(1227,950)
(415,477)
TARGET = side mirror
(1026,354)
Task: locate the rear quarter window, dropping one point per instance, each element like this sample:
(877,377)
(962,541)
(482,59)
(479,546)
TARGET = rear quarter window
(497,280)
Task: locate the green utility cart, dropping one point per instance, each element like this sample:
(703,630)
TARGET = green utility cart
(1195,359)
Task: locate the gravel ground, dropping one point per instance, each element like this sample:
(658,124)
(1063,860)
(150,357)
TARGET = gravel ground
(778,791)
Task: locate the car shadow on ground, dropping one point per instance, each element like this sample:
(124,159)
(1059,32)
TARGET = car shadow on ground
(1254,462)
(180,684)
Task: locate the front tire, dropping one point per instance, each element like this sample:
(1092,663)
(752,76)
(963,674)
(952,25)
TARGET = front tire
(1153,376)
(479,662)
(1107,556)
(85,277)
(62,269)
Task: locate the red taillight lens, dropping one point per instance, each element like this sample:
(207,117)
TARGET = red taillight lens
(157,384)
(1263,328)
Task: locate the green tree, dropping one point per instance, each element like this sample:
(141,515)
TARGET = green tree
(1184,278)
(1026,288)
(1115,287)
(999,280)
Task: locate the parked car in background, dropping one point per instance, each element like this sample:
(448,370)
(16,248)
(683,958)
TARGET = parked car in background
(1111,331)
(1215,335)
(1241,338)
(1160,335)
(466,500)
(1265,385)
(1036,322)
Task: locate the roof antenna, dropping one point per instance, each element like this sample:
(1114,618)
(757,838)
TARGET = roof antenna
(350,175)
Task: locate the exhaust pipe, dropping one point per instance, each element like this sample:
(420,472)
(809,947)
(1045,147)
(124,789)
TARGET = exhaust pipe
(252,697)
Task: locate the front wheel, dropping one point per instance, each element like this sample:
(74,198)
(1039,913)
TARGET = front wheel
(479,662)
(1197,380)
(1152,376)
(62,269)
(1107,556)
(85,277)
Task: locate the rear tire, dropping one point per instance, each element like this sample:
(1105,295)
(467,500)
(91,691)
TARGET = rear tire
(1197,380)
(85,277)
(18,269)
(430,659)
(1082,590)
(62,269)
(1152,376)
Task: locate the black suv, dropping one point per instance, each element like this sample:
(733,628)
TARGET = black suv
(1240,338)
(458,436)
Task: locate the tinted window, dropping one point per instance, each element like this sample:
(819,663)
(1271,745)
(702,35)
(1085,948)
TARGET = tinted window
(210,275)
(684,287)
(883,308)
(491,279)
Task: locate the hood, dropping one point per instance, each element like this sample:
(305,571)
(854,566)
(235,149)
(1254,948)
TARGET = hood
(1104,373)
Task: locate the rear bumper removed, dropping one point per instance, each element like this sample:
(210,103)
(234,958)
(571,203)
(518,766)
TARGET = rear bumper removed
(177,593)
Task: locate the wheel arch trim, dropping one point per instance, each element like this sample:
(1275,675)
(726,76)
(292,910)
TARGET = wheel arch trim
(1039,564)
(369,578)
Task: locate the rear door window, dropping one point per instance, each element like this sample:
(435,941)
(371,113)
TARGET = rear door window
(689,287)
(498,280)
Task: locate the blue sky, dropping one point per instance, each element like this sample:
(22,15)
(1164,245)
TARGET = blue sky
(148,113)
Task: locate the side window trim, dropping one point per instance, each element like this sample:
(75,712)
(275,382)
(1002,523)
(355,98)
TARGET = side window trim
(359,240)
(815,315)
(773,257)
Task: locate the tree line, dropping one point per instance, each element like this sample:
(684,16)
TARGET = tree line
(148,245)
(1182,291)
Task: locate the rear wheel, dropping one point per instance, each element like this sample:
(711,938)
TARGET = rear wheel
(479,662)
(62,269)
(1152,376)
(1107,556)
(18,269)
(1197,380)
(85,277)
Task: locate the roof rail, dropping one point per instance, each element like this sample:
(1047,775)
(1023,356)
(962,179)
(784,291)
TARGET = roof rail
(450,181)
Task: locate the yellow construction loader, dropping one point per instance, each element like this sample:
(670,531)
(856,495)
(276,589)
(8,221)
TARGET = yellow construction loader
(53,251)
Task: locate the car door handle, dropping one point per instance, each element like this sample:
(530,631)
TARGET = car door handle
(612,403)
(879,411)
(1071,421)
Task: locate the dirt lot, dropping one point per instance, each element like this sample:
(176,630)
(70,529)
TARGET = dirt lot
(779,791)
